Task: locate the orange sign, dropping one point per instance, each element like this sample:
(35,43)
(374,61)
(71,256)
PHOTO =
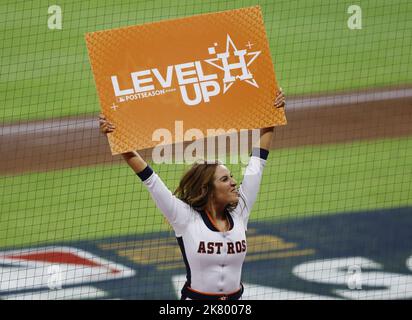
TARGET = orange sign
(205,71)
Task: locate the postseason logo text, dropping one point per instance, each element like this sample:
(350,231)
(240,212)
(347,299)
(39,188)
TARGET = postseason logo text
(205,86)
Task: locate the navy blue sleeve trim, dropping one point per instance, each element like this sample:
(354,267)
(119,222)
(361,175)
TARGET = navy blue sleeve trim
(146,173)
(261,153)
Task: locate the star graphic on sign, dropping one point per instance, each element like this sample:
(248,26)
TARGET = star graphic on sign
(114,107)
(232,51)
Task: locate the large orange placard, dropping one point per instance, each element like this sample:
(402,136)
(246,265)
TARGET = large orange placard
(208,71)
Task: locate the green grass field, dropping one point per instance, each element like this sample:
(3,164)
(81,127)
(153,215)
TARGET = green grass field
(103,201)
(46,73)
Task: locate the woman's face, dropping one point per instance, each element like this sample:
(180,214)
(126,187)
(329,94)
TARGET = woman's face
(225,186)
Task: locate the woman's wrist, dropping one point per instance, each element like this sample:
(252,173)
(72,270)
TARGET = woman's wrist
(145,173)
(129,155)
(260,153)
(135,161)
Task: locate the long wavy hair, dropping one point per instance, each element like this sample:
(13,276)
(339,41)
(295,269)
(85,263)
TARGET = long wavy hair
(197,186)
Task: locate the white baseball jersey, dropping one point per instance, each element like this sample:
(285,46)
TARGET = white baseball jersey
(213,259)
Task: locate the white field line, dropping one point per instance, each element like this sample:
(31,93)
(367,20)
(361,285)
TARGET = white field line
(350,98)
(61,125)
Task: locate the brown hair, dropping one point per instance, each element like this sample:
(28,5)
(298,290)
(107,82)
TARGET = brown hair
(196,186)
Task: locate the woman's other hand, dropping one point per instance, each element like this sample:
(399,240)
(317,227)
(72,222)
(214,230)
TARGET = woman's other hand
(280,100)
(105,126)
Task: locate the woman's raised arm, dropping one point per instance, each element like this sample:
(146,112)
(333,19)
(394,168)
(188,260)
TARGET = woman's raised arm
(135,161)
(253,174)
(175,210)
(267,133)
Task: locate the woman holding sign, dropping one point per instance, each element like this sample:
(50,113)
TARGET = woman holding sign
(209,215)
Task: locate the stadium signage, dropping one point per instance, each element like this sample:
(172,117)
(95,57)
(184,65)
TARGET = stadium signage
(210,71)
(56,272)
(151,82)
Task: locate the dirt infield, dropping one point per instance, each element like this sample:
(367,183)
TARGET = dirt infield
(312,120)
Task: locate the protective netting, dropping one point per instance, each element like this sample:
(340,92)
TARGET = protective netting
(333,215)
